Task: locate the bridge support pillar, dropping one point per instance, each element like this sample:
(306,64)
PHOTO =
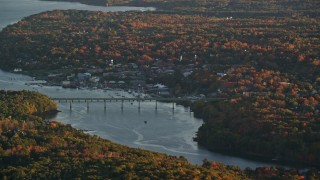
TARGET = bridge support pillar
(156,104)
(139,104)
(87,105)
(172,105)
(121,104)
(105,105)
(70,105)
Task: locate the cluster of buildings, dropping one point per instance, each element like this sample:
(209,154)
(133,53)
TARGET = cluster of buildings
(131,77)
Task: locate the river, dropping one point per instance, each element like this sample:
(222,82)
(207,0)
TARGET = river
(162,130)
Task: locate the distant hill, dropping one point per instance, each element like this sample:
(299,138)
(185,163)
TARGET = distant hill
(244,8)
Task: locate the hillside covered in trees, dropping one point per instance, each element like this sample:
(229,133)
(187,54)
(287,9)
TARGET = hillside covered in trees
(267,68)
(243,8)
(31,148)
(81,39)
(262,56)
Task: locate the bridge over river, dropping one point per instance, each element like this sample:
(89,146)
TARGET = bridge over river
(127,99)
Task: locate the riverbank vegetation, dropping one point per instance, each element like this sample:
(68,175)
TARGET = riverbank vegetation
(32,148)
(267,66)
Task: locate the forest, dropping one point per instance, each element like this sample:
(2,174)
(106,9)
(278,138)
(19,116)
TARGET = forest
(32,148)
(82,39)
(270,66)
(267,52)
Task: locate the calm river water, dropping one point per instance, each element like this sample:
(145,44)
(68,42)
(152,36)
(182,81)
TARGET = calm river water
(163,130)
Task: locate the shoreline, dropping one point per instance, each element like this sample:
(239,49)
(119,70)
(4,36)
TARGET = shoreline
(91,3)
(301,166)
(47,114)
(103,4)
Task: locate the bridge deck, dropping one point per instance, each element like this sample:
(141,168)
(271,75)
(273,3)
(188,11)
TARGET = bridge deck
(135,99)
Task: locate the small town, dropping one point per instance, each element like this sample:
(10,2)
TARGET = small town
(146,79)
